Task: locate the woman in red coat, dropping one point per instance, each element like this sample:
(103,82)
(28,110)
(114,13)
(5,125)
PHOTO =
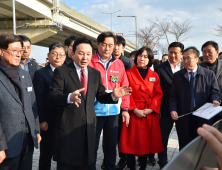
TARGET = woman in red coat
(143,135)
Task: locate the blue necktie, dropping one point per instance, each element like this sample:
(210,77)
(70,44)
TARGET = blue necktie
(192,99)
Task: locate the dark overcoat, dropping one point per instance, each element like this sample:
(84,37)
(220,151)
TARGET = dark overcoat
(73,122)
(205,90)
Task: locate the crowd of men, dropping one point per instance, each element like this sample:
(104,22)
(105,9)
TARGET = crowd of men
(66,105)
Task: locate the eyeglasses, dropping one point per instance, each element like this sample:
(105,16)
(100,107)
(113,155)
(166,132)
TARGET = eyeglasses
(16,52)
(187,59)
(143,56)
(71,45)
(58,55)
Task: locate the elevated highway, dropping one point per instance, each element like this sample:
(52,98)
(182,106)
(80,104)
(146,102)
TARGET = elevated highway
(48,21)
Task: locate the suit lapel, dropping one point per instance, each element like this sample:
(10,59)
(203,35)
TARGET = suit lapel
(9,86)
(75,77)
(90,79)
(49,71)
(168,69)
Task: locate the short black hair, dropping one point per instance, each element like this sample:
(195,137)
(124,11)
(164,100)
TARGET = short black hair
(24,38)
(81,41)
(213,43)
(150,55)
(105,34)
(201,58)
(133,53)
(156,62)
(120,40)
(70,39)
(219,53)
(176,44)
(56,45)
(164,55)
(8,38)
(194,50)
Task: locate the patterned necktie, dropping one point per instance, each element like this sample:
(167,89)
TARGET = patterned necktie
(83,81)
(192,99)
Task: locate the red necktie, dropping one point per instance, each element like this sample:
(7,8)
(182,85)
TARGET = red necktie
(83,81)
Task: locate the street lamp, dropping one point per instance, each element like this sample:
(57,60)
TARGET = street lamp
(13,11)
(25,25)
(111,16)
(135,25)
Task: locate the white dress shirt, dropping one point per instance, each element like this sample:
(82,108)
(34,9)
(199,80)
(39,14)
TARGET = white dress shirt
(175,69)
(53,68)
(194,71)
(78,70)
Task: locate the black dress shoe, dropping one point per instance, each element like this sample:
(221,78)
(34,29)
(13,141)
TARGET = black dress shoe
(102,166)
(121,165)
(152,161)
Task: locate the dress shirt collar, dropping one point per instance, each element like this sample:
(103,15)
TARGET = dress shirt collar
(53,68)
(177,66)
(103,60)
(78,69)
(28,61)
(194,70)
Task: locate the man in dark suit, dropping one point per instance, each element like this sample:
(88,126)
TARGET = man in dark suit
(210,51)
(26,63)
(47,111)
(76,119)
(191,88)
(165,71)
(69,44)
(19,123)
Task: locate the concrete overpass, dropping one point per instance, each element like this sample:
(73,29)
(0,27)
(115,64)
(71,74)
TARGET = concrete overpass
(50,21)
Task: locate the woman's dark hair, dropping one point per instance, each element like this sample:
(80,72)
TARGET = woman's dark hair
(8,38)
(150,55)
(81,41)
(219,54)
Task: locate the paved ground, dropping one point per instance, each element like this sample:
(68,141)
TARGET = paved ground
(173,149)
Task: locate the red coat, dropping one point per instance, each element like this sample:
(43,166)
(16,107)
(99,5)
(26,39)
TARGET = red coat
(143,135)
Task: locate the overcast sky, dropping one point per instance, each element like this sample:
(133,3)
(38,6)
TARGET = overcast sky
(203,14)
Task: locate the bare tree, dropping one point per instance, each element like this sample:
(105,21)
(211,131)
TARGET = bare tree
(163,48)
(180,29)
(162,27)
(149,36)
(219,28)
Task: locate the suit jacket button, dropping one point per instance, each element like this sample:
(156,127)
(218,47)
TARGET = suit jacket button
(83,119)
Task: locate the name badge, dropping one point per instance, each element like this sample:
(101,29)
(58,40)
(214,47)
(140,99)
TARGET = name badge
(29,89)
(114,78)
(152,79)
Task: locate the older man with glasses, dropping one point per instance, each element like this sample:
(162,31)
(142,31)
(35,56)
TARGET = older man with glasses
(19,123)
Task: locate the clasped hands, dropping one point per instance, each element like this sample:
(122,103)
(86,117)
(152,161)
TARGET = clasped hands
(118,92)
(142,113)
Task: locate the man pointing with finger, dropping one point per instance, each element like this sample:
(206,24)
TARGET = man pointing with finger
(73,88)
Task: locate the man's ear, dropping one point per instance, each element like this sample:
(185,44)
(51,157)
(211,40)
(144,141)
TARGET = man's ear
(72,54)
